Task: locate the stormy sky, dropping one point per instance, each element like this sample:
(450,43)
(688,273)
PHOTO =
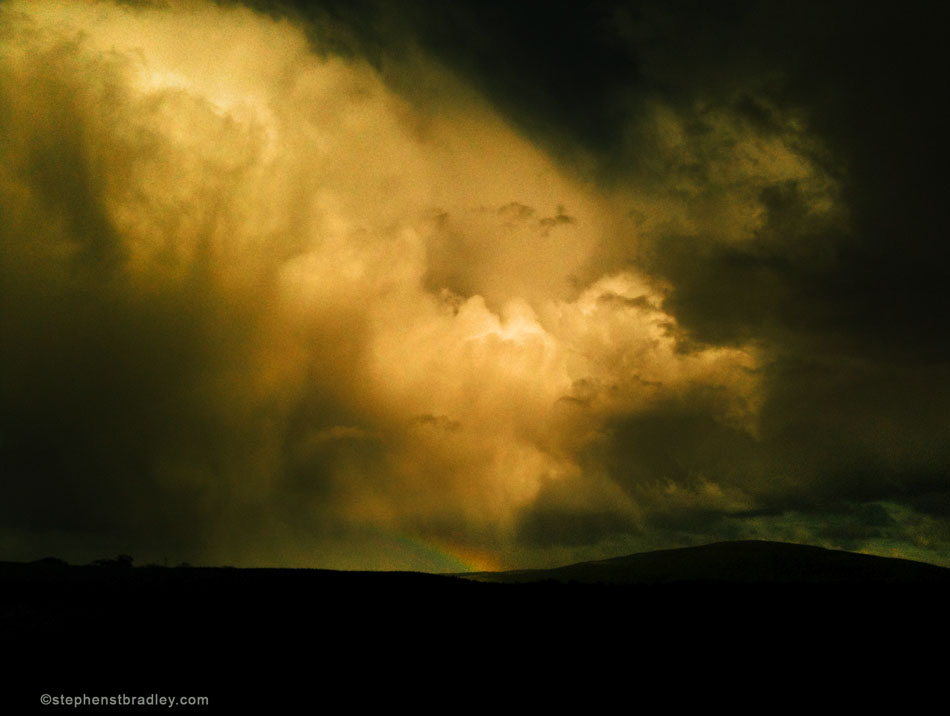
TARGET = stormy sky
(471,285)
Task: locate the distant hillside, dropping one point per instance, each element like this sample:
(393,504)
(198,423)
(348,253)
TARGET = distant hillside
(733,562)
(751,607)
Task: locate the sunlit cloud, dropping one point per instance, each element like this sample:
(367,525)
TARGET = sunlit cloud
(305,314)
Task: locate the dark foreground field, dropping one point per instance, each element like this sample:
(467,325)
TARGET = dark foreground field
(711,623)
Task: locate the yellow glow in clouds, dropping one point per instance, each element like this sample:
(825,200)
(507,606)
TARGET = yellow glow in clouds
(387,290)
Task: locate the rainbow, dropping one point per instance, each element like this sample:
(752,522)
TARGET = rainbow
(438,555)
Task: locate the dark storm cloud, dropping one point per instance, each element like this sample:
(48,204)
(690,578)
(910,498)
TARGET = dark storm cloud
(561,69)
(269,305)
(544,526)
(845,303)
(865,79)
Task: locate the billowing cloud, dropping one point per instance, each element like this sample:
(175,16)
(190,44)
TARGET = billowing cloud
(266,301)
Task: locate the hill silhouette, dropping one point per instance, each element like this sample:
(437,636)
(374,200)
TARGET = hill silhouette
(747,562)
(268,637)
